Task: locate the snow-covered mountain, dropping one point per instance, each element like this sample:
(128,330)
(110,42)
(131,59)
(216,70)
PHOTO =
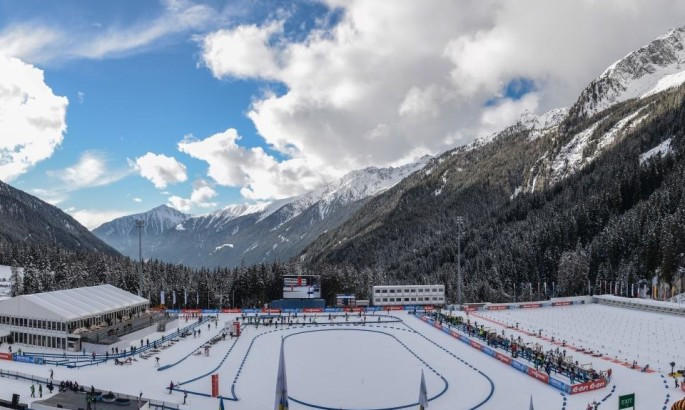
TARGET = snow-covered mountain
(650,69)
(122,234)
(252,233)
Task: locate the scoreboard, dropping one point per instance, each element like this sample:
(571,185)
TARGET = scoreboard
(301,287)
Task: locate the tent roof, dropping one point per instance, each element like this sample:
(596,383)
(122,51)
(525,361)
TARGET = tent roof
(70,304)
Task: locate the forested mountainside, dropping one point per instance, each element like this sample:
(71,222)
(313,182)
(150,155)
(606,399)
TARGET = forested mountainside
(26,219)
(597,198)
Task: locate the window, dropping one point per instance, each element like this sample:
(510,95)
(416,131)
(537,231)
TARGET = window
(413,290)
(385,291)
(420,290)
(392,290)
(406,299)
(385,299)
(392,299)
(413,299)
(377,291)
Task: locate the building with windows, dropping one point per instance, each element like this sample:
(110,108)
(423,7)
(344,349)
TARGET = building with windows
(60,319)
(408,295)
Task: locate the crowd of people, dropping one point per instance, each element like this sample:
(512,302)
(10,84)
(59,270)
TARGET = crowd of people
(551,361)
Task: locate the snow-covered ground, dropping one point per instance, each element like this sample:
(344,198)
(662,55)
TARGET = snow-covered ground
(378,365)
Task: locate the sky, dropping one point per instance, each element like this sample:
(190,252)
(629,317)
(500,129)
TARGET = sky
(114,108)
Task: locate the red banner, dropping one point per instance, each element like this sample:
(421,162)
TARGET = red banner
(271,310)
(531,305)
(215,385)
(543,377)
(503,358)
(354,309)
(6,356)
(191,310)
(588,386)
(428,308)
(475,345)
(470,308)
(393,307)
(500,307)
(231,311)
(562,303)
(312,310)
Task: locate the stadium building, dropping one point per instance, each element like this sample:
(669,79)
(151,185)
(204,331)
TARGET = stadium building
(396,295)
(64,319)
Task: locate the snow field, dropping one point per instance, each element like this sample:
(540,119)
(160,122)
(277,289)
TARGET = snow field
(623,334)
(355,367)
(592,325)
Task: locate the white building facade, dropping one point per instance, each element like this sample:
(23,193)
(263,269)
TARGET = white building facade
(395,295)
(56,319)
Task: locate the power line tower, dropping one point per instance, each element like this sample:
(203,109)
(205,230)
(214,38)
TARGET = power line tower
(460,227)
(140,224)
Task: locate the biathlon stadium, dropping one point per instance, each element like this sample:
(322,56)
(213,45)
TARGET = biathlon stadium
(572,353)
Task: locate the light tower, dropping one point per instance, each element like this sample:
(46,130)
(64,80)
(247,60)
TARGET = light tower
(460,226)
(140,223)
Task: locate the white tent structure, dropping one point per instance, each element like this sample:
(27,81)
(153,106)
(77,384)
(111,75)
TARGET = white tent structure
(48,319)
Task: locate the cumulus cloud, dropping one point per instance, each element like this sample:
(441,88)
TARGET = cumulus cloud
(259,174)
(91,219)
(160,169)
(200,197)
(90,170)
(391,78)
(32,118)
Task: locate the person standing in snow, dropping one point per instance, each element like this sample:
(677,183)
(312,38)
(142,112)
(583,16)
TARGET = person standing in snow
(33,391)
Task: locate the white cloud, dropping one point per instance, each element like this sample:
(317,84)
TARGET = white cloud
(259,174)
(32,118)
(200,197)
(392,78)
(137,200)
(91,219)
(242,52)
(506,112)
(91,170)
(34,41)
(160,169)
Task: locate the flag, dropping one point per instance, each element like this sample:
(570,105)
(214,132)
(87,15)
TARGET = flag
(545,288)
(221,403)
(423,394)
(197,299)
(185,297)
(281,383)
(161,297)
(531,403)
(174,298)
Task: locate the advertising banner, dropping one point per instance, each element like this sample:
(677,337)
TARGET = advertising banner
(313,310)
(503,358)
(5,356)
(519,366)
(215,385)
(27,359)
(231,311)
(498,307)
(588,386)
(530,305)
(542,376)
(559,384)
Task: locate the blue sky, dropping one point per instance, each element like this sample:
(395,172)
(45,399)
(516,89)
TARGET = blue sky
(202,104)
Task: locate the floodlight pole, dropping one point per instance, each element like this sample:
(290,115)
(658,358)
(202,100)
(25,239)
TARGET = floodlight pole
(460,225)
(140,224)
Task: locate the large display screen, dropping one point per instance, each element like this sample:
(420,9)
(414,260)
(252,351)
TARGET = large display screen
(301,287)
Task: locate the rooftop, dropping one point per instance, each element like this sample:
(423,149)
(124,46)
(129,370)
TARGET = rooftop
(71,304)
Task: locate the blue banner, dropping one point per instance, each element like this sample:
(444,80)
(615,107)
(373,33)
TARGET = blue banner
(519,366)
(559,385)
(27,359)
